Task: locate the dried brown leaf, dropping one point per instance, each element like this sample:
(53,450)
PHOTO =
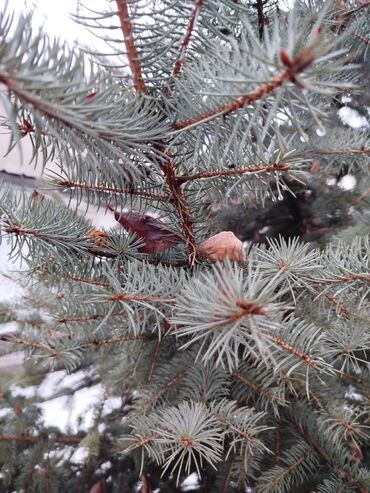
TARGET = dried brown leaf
(223,245)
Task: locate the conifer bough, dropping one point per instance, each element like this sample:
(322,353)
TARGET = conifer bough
(204,124)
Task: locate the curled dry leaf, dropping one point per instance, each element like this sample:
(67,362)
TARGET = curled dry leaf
(223,245)
(156,236)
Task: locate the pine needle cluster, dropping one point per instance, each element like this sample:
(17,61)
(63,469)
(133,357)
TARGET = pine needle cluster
(249,369)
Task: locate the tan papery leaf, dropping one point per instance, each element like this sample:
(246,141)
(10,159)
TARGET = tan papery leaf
(223,245)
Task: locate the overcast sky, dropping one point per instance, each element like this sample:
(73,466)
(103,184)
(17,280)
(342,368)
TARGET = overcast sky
(54,15)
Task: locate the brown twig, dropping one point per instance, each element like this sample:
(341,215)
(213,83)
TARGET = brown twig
(362,38)
(293,68)
(277,447)
(189,31)
(255,387)
(363,5)
(89,281)
(108,189)
(174,381)
(112,340)
(341,308)
(47,109)
(261,18)
(233,172)
(286,472)
(131,50)
(138,297)
(332,463)
(361,150)
(182,207)
(66,440)
(291,349)
(348,278)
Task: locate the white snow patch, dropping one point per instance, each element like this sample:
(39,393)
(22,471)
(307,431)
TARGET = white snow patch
(190,483)
(74,412)
(347,182)
(352,117)
(80,456)
(5,411)
(112,403)
(352,394)
(27,392)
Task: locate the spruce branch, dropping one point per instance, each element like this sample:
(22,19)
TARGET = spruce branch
(63,440)
(108,190)
(293,68)
(274,399)
(182,208)
(334,152)
(252,375)
(235,172)
(364,39)
(189,434)
(341,467)
(359,7)
(198,4)
(131,51)
(280,477)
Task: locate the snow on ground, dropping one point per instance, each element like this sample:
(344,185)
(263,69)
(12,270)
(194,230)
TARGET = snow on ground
(70,413)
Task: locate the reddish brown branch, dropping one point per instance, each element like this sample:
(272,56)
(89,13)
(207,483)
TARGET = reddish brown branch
(40,105)
(131,51)
(26,342)
(277,447)
(293,68)
(348,278)
(88,318)
(184,45)
(182,208)
(89,281)
(341,422)
(356,9)
(66,440)
(362,38)
(175,380)
(250,438)
(145,482)
(254,387)
(340,471)
(113,340)
(137,297)
(341,308)
(291,349)
(107,189)
(361,150)
(289,470)
(233,172)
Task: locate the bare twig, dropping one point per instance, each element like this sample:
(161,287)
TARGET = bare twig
(131,50)
(184,45)
(233,172)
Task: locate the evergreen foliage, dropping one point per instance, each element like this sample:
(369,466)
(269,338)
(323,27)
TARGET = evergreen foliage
(209,116)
